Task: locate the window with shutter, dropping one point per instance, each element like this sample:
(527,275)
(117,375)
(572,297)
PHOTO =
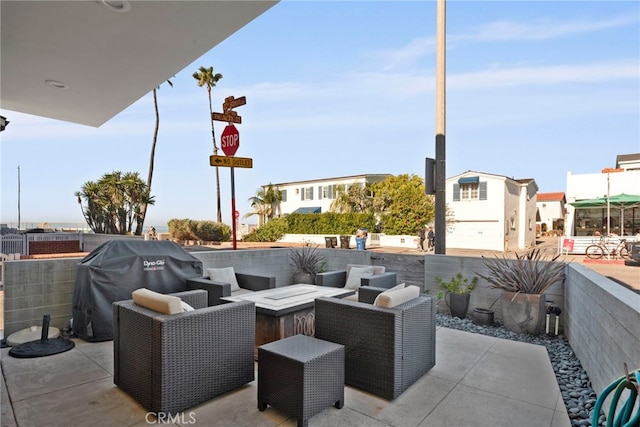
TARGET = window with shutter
(483,191)
(456,192)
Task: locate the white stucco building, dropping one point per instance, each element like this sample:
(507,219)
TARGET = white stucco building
(317,195)
(487,211)
(623,178)
(551,213)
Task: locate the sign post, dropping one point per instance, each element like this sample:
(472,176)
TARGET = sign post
(230,142)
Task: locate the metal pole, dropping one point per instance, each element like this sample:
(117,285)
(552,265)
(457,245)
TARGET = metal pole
(233,209)
(440,205)
(608,207)
(18,198)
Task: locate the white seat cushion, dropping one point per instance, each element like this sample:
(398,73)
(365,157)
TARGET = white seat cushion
(393,297)
(224,275)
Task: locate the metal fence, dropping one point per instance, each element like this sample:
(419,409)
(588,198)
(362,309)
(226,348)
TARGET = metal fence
(19,243)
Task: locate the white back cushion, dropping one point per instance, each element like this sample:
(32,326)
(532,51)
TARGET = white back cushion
(393,297)
(355,274)
(377,269)
(166,304)
(224,275)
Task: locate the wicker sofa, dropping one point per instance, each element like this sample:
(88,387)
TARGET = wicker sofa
(170,362)
(217,289)
(386,349)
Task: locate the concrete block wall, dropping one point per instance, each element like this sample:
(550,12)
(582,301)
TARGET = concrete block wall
(33,288)
(269,262)
(602,325)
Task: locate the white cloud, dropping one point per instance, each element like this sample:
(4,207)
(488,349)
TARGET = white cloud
(544,75)
(543,30)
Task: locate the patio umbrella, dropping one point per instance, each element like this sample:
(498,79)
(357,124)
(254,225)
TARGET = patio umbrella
(622,201)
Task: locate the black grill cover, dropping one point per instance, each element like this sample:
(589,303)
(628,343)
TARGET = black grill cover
(118,267)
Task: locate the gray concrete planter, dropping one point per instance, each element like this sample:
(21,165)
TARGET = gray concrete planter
(523,313)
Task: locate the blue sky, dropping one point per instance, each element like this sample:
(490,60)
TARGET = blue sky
(534,90)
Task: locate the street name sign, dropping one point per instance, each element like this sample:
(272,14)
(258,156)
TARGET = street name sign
(231,117)
(230,102)
(236,162)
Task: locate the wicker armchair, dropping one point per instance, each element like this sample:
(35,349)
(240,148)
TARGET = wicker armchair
(386,349)
(217,290)
(171,362)
(338,278)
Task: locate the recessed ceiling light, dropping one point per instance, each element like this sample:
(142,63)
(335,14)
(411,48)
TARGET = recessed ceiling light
(56,84)
(116,5)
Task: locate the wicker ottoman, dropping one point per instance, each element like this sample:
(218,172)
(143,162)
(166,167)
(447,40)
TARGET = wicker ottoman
(300,376)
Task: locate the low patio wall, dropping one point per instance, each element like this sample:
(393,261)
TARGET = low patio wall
(602,324)
(33,288)
(599,317)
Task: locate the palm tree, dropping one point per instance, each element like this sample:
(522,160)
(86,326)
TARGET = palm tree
(113,203)
(265,203)
(143,208)
(357,198)
(205,77)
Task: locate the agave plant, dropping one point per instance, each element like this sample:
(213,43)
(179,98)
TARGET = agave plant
(307,260)
(531,273)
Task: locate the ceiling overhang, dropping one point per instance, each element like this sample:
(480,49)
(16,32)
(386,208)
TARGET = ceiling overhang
(85,62)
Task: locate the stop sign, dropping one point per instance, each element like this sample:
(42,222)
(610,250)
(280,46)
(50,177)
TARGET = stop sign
(230,140)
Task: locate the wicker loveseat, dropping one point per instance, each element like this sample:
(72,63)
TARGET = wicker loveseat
(386,349)
(218,289)
(170,362)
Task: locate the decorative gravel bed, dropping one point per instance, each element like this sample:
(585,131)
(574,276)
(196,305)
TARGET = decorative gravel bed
(575,386)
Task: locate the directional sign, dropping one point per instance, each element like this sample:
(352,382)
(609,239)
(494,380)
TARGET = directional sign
(230,102)
(231,117)
(236,162)
(230,140)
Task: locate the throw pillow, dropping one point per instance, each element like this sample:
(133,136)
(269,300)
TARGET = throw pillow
(224,275)
(354,276)
(165,304)
(391,299)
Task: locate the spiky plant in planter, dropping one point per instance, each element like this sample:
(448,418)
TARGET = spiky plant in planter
(306,262)
(531,273)
(523,281)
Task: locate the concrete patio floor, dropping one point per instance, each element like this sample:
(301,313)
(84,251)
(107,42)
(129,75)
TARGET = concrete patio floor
(477,381)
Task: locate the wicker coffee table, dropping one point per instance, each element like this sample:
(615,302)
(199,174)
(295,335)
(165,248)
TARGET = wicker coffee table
(301,376)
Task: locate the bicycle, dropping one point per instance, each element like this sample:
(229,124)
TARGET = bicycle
(598,250)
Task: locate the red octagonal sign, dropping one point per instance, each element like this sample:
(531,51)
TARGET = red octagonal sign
(230,140)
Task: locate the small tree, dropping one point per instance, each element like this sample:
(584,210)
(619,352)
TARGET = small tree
(112,205)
